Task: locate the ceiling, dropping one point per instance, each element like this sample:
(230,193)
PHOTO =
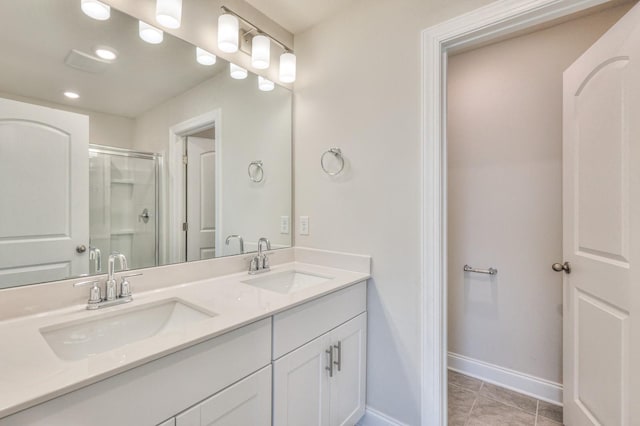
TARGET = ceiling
(297,16)
(37,35)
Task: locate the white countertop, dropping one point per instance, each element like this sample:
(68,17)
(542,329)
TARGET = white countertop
(31,373)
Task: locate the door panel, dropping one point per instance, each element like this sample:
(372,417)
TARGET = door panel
(201,198)
(46,216)
(600,187)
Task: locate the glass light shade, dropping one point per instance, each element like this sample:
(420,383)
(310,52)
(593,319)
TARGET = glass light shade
(106,53)
(150,34)
(260,52)
(96,9)
(228,33)
(205,58)
(237,72)
(169,13)
(287,67)
(265,85)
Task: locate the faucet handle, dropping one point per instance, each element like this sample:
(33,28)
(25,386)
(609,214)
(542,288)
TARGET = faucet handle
(125,285)
(95,295)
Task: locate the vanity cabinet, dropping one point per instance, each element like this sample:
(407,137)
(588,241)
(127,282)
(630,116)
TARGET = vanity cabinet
(323,381)
(247,402)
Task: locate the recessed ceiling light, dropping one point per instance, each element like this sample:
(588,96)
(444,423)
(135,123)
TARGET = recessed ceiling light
(150,34)
(106,53)
(71,95)
(96,9)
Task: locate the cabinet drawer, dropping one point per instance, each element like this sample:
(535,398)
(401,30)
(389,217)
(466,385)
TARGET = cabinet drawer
(297,326)
(247,402)
(154,392)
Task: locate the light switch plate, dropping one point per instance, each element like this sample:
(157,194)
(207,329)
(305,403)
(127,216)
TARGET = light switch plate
(284,224)
(304,225)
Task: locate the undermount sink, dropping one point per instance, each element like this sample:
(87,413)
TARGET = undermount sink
(81,338)
(287,282)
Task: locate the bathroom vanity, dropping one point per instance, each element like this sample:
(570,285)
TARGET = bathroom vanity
(286,347)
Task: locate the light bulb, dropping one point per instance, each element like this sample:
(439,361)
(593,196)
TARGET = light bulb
(237,72)
(287,67)
(205,58)
(150,34)
(96,9)
(169,13)
(265,85)
(260,52)
(228,33)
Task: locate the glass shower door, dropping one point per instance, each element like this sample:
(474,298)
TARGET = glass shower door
(123,206)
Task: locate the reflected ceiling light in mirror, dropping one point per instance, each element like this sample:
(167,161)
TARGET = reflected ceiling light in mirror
(106,53)
(71,95)
(150,34)
(228,33)
(205,58)
(260,52)
(96,9)
(287,67)
(169,13)
(265,85)
(237,72)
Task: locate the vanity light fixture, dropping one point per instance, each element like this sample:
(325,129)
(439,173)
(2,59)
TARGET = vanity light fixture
(169,13)
(150,34)
(106,53)
(228,40)
(228,33)
(237,72)
(205,58)
(96,9)
(260,52)
(71,95)
(287,67)
(265,85)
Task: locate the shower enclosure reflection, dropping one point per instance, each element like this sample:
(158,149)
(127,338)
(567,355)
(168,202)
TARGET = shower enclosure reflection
(123,205)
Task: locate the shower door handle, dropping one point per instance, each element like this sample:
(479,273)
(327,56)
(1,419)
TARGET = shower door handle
(559,267)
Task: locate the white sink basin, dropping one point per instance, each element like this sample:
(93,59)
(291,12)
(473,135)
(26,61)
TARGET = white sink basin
(81,339)
(288,281)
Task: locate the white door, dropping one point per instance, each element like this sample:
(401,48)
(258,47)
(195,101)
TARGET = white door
(601,190)
(201,206)
(348,385)
(248,402)
(301,386)
(44,193)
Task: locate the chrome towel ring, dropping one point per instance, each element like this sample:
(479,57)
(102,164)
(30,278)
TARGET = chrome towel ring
(337,153)
(255,171)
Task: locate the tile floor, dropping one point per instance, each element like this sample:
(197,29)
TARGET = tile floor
(473,402)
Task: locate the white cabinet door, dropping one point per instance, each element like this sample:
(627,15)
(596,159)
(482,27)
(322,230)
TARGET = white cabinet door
(305,392)
(246,403)
(348,385)
(301,386)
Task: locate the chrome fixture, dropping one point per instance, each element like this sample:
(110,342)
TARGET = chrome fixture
(260,262)
(111,297)
(230,237)
(490,271)
(96,255)
(559,267)
(337,153)
(256,171)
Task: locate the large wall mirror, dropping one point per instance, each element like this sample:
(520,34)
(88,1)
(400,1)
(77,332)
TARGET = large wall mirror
(150,153)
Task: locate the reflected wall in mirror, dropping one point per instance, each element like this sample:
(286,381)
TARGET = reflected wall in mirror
(158,157)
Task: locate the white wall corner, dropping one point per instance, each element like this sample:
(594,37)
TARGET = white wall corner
(374,417)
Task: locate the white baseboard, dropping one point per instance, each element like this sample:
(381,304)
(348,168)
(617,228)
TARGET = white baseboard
(520,382)
(376,418)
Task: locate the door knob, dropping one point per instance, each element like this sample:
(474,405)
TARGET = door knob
(559,267)
(81,248)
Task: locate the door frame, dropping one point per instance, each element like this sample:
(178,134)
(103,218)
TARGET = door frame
(176,208)
(497,19)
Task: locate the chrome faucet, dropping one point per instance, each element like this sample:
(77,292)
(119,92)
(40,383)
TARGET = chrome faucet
(239,239)
(111,297)
(260,262)
(96,255)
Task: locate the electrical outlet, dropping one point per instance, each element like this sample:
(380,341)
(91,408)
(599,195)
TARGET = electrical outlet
(284,224)
(304,225)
